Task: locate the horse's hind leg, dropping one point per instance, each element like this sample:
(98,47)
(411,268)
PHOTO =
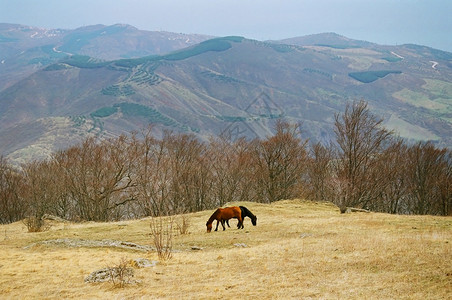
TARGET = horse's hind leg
(225,221)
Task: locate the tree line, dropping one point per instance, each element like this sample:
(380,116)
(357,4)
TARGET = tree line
(139,175)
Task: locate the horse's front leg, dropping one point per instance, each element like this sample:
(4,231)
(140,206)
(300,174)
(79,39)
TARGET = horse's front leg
(218,222)
(222,223)
(240,224)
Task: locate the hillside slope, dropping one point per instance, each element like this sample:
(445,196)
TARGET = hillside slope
(236,87)
(26,49)
(298,249)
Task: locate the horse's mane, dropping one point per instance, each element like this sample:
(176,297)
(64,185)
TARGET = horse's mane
(247,212)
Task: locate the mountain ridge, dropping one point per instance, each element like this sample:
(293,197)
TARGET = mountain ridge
(234,85)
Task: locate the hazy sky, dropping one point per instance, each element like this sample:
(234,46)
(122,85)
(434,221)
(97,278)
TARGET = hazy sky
(424,22)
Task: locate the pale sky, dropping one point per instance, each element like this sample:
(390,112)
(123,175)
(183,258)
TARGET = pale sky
(389,22)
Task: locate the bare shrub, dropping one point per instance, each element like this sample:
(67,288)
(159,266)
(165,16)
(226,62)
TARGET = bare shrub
(35,224)
(121,274)
(162,236)
(183,224)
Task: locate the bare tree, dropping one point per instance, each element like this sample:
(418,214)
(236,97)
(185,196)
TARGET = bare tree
(392,166)
(429,179)
(12,204)
(446,186)
(39,188)
(361,139)
(280,161)
(319,173)
(190,173)
(98,178)
(152,174)
(230,164)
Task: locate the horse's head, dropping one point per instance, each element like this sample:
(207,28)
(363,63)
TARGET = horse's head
(209,227)
(254,220)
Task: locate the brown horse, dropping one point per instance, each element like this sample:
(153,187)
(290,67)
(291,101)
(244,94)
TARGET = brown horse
(223,214)
(245,213)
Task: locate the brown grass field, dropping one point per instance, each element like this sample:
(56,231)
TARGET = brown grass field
(298,250)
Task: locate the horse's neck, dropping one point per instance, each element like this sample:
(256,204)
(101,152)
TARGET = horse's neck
(247,213)
(213,217)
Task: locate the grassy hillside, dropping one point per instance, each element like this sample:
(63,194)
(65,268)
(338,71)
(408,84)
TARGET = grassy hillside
(298,249)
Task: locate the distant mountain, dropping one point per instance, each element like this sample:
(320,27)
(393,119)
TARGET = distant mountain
(330,39)
(229,86)
(26,49)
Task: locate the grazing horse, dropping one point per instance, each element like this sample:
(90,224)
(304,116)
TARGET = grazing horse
(245,212)
(223,214)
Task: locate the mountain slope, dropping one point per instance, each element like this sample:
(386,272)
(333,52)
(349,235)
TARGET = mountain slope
(238,87)
(26,49)
(330,39)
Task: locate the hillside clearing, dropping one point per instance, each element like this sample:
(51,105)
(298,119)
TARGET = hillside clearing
(298,249)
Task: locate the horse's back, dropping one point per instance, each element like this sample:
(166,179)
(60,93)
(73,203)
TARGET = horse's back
(230,212)
(236,211)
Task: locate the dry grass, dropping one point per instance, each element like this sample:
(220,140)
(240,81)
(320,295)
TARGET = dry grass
(301,250)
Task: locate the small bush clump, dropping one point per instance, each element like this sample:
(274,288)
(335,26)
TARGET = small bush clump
(35,224)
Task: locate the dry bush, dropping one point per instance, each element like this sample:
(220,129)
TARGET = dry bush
(183,224)
(36,224)
(121,274)
(162,236)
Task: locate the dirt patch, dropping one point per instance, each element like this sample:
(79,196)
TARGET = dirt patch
(75,243)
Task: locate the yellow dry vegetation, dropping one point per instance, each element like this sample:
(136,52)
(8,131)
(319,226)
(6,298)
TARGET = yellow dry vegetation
(299,250)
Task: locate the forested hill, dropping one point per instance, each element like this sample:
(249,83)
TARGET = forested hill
(59,92)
